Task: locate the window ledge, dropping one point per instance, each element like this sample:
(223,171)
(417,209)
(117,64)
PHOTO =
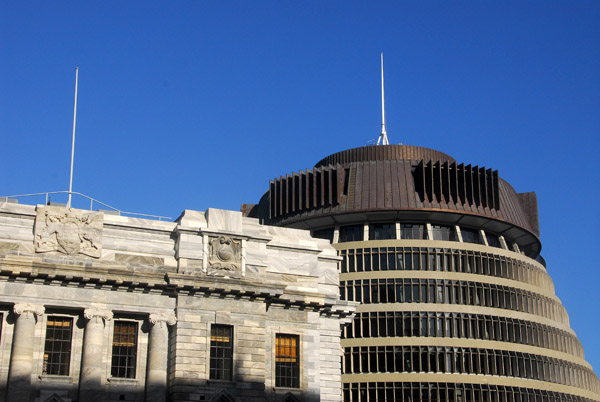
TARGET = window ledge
(222,382)
(118,380)
(57,379)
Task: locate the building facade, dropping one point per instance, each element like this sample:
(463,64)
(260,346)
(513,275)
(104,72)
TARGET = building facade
(211,307)
(456,301)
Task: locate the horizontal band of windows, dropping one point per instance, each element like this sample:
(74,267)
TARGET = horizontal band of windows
(491,362)
(399,290)
(441,260)
(449,392)
(443,245)
(461,325)
(451,276)
(412,231)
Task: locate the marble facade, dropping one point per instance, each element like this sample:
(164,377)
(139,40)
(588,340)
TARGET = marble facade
(91,274)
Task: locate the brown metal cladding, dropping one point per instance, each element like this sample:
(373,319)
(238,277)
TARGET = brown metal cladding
(387,152)
(529,204)
(379,182)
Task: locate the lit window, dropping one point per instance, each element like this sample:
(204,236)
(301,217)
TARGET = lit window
(221,352)
(287,361)
(57,350)
(124,349)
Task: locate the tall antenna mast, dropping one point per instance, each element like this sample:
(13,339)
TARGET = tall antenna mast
(383,139)
(73,141)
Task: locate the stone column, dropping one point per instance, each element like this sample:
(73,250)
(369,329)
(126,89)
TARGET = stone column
(158,347)
(21,358)
(90,379)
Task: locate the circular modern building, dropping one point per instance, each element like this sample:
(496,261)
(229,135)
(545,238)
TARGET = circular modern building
(456,302)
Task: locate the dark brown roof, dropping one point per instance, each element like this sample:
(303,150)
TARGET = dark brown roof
(384,152)
(379,182)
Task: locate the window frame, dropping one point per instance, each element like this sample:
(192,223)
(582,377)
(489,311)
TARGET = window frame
(69,354)
(297,376)
(221,367)
(136,360)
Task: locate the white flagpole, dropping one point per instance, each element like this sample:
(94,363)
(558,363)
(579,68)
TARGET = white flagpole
(383,136)
(73,141)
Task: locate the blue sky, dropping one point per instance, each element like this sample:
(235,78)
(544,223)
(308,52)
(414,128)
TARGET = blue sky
(197,104)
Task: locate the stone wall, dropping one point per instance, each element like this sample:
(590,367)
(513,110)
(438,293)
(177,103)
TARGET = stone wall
(169,283)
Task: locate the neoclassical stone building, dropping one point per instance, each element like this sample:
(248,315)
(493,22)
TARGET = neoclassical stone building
(211,307)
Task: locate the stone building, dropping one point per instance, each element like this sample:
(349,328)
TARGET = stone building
(210,307)
(457,304)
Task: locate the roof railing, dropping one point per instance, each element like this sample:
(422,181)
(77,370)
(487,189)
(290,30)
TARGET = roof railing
(110,209)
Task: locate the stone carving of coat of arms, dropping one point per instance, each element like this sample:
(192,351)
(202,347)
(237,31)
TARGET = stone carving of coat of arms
(68,231)
(224,254)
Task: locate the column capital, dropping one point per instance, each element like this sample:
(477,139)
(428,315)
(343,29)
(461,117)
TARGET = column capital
(20,308)
(168,318)
(93,312)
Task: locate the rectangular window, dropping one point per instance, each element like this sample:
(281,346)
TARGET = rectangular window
(57,350)
(470,236)
(124,349)
(381,231)
(412,231)
(441,232)
(326,234)
(493,240)
(221,352)
(287,361)
(351,233)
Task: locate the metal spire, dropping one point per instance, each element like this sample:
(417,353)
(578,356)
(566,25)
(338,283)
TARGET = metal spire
(383,139)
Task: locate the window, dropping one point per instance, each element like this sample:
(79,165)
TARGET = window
(493,240)
(57,350)
(326,234)
(221,352)
(380,231)
(351,233)
(287,361)
(412,231)
(124,349)
(470,236)
(446,233)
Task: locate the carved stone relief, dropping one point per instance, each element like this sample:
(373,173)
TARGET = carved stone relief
(224,255)
(68,231)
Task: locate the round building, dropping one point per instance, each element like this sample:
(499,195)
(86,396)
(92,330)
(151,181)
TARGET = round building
(456,302)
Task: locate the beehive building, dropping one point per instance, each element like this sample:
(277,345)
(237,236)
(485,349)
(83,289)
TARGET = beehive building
(456,301)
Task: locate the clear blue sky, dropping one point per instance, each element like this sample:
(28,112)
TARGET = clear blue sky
(196,104)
